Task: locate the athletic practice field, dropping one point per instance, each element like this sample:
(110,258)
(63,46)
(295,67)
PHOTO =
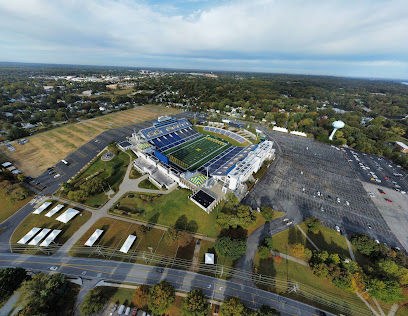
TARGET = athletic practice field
(197,152)
(47,148)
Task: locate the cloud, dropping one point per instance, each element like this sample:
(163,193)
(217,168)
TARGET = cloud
(113,31)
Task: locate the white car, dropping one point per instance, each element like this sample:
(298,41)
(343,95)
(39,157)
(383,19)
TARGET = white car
(403,192)
(338,229)
(55,268)
(57,175)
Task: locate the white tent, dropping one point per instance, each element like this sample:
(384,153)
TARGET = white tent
(94,237)
(209,258)
(29,235)
(42,208)
(51,237)
(128,243)
(39,236)
(55,210)
(67,215)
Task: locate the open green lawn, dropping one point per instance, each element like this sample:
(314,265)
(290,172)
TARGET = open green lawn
(134,174)
(309,284)
(147,184)
(173,209)
(41,221)
(328,239)
(8,208)
(232,141)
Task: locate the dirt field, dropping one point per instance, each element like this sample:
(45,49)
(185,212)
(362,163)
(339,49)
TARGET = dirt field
(47,148)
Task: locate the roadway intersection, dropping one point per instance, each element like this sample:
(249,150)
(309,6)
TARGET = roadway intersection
(89,268)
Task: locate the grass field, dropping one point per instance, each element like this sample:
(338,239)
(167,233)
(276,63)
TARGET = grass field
(115,234)
(9,208)
(47,148)
(197,152)
(41,221)
(288,270)
(173,209)
(113,176)
(232,141)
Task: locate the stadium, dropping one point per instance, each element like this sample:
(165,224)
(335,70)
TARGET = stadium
(174,153)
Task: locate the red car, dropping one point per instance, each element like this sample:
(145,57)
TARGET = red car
(386,178)
(388,200)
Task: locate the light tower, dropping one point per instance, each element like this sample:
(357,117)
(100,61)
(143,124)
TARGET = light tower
(337,125)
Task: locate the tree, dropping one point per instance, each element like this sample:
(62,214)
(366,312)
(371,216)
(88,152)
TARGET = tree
(10,280)
(45,294)
(93,302)
(161,297)
(141,296)
(313,225)
(268,242)
(232,307)
(195,304)
(364,244)
(230,248)
(172,235)
(387,291)
(263,252)
(297,250)
(267,213)
(266,310)
(344,281)
(185,238)
(141,230)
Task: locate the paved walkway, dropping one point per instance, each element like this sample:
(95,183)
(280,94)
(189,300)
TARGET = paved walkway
(307,237)
(350,250)
(127,185)
(290,258)
(6,309)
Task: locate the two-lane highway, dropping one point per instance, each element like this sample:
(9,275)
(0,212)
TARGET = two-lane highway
(141,274)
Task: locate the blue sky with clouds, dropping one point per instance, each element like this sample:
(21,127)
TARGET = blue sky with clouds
(366,38)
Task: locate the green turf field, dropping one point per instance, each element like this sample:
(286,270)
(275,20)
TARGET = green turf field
(197,152)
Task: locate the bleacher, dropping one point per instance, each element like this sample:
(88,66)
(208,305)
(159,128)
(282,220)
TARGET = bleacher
(176,138)
(224,162)
(238,138)
(164,128)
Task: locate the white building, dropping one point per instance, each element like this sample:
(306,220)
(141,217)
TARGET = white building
(252,163)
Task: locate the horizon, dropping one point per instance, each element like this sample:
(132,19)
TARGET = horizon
(337,38)
(188,70)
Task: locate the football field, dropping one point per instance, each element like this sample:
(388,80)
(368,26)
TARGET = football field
(197,152)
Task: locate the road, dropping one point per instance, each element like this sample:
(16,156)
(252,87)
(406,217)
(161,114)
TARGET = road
(77,160)
(87,268)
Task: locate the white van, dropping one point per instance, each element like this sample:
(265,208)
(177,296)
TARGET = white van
(65,162)
(127,312)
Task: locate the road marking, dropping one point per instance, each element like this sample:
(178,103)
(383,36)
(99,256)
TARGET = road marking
(80,266)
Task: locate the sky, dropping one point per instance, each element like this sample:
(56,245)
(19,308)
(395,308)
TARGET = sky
(356,38)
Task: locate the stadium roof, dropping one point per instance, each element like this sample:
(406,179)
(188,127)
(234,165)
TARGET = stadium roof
(29,235)
(55,210)
(67,215)
(50,238)
(128,243)
(42,208)
(94,237)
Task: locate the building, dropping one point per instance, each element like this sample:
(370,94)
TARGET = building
(402,146)
(172,152)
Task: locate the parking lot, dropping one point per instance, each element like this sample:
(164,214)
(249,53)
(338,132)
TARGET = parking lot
(379,170)
(311,179)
